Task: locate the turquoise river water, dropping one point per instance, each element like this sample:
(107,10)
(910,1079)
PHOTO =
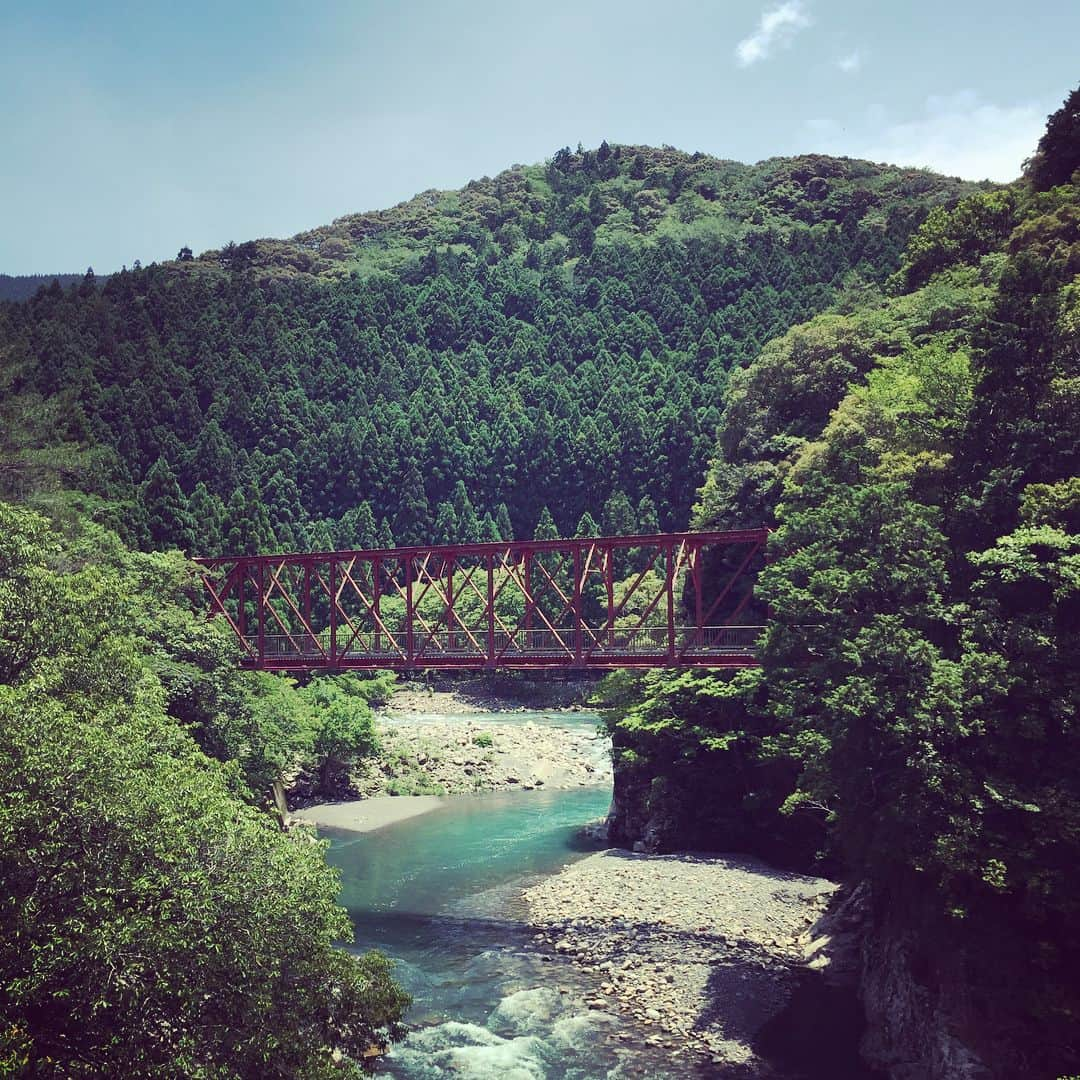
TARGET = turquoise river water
(440,894)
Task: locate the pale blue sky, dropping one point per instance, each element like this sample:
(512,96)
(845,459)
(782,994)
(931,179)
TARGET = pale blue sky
(131,129)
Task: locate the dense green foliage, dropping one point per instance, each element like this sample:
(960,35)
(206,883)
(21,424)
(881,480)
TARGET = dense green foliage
(23,286)
(919,455)
(549,338)
(921,661)
(1058,154)
(885,372)
(154,923)
(541,353)
(691,771)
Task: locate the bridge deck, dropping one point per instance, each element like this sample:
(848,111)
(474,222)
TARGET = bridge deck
(718,646)
(668,600)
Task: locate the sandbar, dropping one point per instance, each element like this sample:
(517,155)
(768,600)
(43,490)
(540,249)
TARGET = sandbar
(365,815)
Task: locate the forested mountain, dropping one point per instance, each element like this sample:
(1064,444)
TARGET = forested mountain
(880,363)
(23,286)
(914,720)
(560,336)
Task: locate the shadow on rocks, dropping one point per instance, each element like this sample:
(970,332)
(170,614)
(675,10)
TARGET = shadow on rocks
(816,1036)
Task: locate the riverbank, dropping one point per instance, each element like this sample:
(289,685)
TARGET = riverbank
(468,738)
(462,755)
(366,815)
(703,952)
(444,694)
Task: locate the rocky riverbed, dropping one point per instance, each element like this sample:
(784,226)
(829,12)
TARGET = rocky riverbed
(424,755)
(702,951)
(461,696)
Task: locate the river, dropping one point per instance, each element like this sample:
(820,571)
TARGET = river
(440,893)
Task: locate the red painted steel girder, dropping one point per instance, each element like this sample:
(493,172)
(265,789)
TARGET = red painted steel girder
(706,539)
(562,605)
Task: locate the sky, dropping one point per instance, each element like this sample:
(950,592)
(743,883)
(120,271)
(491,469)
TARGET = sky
(129,130)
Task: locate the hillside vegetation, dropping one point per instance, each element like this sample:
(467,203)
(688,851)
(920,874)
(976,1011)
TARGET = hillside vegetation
(559,337)
(914,721)
(154,920)
(23,286)
(881,363)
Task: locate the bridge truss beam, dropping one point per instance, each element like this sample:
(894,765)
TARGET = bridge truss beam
(667,600)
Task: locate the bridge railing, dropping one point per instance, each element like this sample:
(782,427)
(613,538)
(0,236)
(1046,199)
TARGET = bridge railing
(596,644)
(720,639)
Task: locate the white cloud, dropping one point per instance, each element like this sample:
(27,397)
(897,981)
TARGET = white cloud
(957,134)
(851,63)
(776,26)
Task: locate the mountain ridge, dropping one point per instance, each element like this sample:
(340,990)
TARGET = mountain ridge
(385,239)
(276,395)
(18,287)
(698,188)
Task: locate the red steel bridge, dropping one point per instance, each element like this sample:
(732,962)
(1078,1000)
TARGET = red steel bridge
(667,600)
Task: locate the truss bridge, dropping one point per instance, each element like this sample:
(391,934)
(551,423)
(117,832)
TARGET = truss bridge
(667,600)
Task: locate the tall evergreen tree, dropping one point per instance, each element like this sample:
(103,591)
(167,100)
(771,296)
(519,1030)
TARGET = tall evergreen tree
(357,527)
(647,521)
(617,518)
(489,531)
(545,527)
(446,529)
(412,523)
(248,529)
(587,526)
(208,518)
(167,516)
(468,528)
(502,523)
(384,539)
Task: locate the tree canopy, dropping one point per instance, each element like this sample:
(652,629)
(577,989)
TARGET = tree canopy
(914,718)
(432,369)
(154,921)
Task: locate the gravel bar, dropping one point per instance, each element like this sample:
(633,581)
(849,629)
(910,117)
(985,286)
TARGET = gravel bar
(702,951)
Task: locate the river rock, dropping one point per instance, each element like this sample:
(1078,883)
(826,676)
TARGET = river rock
(442,755)
(657,928)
